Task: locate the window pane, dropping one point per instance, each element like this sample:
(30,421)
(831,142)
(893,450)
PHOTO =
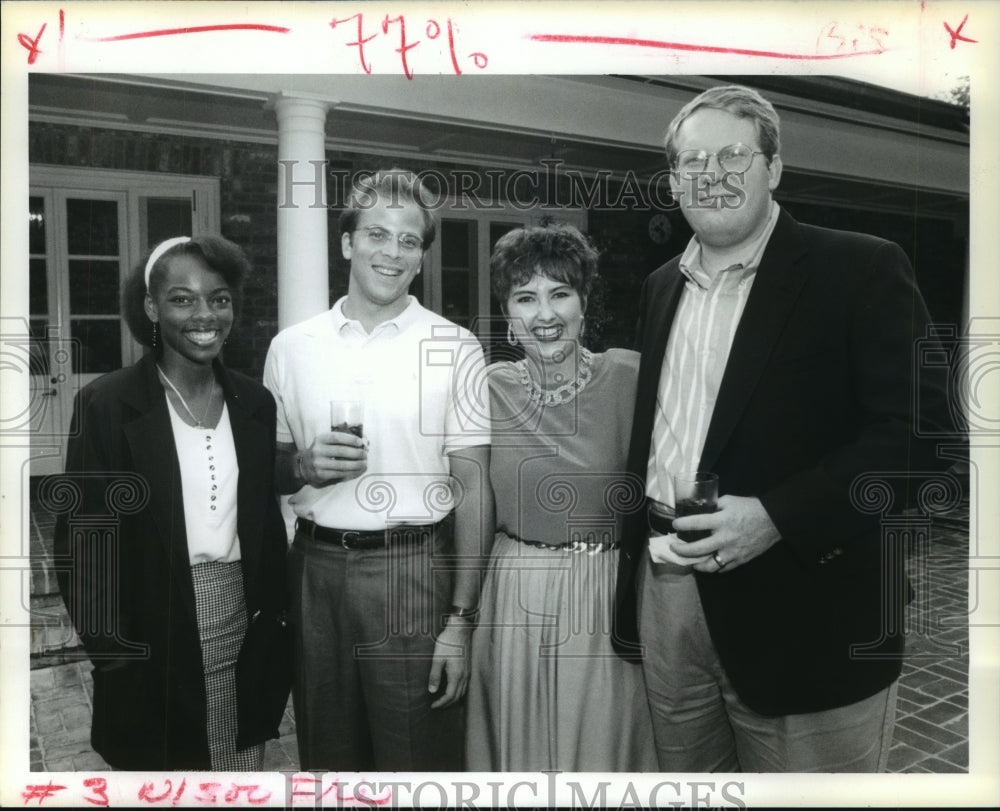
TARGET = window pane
(100,344)
(457,239)
(93,287)
(38,293)
(167,217)
(455,296)
(458,247)
(92,227)
(36,225)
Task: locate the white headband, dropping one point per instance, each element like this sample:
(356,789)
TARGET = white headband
(161,249)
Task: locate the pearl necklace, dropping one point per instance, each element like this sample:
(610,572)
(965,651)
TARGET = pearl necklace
(199,423)
(561,394)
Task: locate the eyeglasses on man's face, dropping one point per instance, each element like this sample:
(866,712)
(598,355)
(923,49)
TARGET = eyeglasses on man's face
(408,243)
(733,158)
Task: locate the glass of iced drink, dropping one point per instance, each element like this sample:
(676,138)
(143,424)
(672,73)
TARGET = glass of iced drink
(695,492)
(347,417)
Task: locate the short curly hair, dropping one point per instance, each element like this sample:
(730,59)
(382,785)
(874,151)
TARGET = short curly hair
(555,250)
(224,257)
(737,100)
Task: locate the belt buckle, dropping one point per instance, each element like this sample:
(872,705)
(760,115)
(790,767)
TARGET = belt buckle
(348,536)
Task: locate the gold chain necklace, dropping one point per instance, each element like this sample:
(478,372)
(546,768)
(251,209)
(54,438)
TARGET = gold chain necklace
(561,394)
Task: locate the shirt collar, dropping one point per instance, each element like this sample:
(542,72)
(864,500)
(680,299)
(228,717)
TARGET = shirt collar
(690,264)
(342,324)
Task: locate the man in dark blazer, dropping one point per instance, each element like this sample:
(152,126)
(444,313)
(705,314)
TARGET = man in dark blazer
(780,357)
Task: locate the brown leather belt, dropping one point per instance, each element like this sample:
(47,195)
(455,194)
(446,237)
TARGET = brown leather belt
(364,538)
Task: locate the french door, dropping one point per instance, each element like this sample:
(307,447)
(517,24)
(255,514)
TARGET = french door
(87,229)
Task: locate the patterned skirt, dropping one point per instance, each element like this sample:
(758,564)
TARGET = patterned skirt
(222,624)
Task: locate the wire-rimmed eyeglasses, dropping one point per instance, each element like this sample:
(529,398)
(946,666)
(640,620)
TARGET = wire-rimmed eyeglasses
(734,158)
(408,243)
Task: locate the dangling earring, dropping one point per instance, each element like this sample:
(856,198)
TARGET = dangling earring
(510,334)
(156,333)
(583,329)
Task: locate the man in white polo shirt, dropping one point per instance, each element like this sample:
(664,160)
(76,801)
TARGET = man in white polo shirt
(392,528)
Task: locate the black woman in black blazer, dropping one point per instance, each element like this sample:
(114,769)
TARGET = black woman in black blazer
(137,620)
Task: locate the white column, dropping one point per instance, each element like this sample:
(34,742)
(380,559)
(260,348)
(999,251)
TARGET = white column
(303,281)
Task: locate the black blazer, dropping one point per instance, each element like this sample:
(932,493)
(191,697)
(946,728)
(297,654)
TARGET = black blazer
(818,390)
(123,478)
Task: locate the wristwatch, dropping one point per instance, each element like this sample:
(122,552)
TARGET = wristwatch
(462,613)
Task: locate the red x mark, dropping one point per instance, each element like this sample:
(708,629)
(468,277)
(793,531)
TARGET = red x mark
(956,35)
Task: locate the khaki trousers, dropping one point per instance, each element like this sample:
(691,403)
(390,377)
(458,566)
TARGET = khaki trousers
(700,724)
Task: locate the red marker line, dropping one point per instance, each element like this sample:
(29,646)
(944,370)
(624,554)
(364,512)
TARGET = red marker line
(199,29)
(683,46)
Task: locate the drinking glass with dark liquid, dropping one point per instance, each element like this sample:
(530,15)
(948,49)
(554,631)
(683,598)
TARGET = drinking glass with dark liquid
(695,493)
(347,417)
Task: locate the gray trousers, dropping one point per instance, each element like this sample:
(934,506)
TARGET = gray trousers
(366,622)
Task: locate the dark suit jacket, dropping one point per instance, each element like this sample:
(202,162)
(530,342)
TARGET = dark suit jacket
(139,624)
(818,390)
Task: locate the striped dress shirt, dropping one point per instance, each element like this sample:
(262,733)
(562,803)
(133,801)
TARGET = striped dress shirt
(693,364)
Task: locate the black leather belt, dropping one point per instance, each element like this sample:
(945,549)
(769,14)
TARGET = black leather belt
(364,538)
(658,523)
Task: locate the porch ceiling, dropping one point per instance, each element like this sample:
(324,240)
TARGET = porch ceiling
(519,121)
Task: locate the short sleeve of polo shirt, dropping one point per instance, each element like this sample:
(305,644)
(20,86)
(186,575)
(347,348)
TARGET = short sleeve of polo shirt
(274,369)
(467,415)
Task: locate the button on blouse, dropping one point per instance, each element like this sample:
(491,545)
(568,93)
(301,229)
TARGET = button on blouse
(209,479)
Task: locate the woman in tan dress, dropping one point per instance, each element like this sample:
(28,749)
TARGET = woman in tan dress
(547,691)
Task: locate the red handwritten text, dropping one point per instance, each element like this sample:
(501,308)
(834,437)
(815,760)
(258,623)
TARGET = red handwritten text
(147,791)
(197,29)
(252,795)
(849,40)
(40,792)
(956,34)
(99,786)
(304,785)
(432,30)
(687,46)
(93,791)
(360,41)
(31,44)
(403,46)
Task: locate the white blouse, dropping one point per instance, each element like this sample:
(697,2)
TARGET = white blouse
(209,475)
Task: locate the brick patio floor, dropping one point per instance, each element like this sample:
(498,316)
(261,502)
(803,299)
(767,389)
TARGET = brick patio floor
(932,716)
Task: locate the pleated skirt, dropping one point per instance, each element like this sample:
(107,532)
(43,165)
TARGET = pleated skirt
(222,624)
(547,691)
